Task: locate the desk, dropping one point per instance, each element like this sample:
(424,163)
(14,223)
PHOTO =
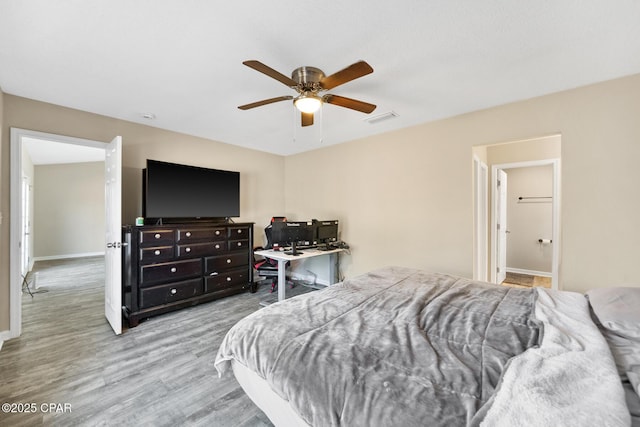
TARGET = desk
(282,259)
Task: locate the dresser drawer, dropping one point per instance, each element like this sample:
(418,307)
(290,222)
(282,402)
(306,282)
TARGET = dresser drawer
(238,233)
(199,234)
(169,271)
(218,264)
(156,237)
(235,245)
(156,254)
(197,249)
(229,279)
(165,294)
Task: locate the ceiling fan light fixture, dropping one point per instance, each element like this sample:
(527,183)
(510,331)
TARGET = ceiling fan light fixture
(308,103)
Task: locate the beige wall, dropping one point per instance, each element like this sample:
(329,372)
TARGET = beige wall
(261,174)
(405,197)
(69,210)
(544,148)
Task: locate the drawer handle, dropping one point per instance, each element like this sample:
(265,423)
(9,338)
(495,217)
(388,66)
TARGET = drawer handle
(228,260)
(173,291)
(228,279)
(217,246)
(187,250)
(173,269)
(215,273)
(239,244)
(188,234)
(239,231)
(157,252)
(217,232)
(157,235)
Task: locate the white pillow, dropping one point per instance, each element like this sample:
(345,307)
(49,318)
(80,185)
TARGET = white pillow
(618,311)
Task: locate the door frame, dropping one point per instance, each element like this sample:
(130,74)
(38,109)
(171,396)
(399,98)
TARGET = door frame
(15,223)
(480,219)
(555,213)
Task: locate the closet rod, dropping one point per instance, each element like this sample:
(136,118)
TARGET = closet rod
(536,197)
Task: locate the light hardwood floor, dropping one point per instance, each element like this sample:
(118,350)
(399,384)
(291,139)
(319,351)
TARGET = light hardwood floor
(526,281)
(160,373)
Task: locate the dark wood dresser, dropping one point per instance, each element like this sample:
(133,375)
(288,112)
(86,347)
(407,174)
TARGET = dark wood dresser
(170,267)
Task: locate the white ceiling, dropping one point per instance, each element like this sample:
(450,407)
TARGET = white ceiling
(182,59)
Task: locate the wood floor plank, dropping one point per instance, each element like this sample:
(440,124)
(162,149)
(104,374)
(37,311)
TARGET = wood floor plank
(159,373)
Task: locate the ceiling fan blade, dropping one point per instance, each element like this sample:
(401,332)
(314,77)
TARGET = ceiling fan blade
(353,104)
(264,69)
(265,102)
(307,119)
(352,72)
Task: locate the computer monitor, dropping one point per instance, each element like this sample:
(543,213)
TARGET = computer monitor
(326,231)
(287,233)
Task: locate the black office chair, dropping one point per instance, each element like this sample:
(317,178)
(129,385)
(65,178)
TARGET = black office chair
(267,268)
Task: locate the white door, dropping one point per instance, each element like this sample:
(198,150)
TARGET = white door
(501,232)
(26,225)
(113,259)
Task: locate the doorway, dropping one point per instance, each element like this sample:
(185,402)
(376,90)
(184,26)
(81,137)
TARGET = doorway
(22,208)
(490,254)
(528,245)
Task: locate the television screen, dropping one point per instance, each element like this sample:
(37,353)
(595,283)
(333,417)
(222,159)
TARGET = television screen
(181,191)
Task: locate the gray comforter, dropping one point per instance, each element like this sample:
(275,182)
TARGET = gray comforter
(394,347)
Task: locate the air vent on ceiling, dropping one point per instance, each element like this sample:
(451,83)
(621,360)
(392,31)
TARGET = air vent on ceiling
(380,117)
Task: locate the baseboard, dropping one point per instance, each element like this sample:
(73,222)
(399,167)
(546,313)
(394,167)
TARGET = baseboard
(529,272)
(68,256)
(4,335)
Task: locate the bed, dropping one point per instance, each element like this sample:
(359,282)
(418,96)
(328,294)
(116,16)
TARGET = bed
(404,347)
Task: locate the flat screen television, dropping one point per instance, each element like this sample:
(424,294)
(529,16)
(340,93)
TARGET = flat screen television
(174,191)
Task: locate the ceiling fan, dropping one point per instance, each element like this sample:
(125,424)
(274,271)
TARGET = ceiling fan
(309,82)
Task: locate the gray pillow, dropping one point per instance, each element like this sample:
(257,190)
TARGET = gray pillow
(618,309)
(618,312)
